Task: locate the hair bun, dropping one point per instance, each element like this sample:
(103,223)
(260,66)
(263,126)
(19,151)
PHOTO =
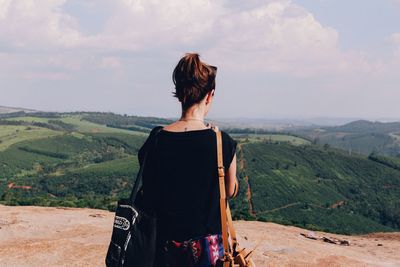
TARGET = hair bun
(193,79)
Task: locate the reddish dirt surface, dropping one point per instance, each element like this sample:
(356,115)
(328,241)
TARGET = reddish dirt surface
(338,204)
(246,178)
(12,185)
(47,236)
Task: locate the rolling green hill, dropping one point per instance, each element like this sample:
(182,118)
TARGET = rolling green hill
(11,134)
(317,188)
(360,136)
(90,159)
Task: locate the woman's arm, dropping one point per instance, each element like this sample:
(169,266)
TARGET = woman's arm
(231,182)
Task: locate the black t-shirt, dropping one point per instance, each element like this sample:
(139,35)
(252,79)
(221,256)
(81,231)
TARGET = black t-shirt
(180,181)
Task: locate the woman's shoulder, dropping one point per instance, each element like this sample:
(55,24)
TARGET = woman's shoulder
(155,130)
(228,138)
(153,134)
(148,142)
(229,148)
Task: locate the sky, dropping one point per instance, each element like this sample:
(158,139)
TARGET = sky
(275,58)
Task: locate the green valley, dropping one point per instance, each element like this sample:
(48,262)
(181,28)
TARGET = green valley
(89,159)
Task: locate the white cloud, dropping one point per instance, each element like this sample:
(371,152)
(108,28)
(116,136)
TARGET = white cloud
(115,49)
(4,6)
(268,36)
(281,37)
(148,24)
(394,39)
(55,76)
(273,36)
(37,24)
(110,63)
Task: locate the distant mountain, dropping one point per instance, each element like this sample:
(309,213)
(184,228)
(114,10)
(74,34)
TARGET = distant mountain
(367,126)
(281,124)
(288,122)
(4,109)
(359,136)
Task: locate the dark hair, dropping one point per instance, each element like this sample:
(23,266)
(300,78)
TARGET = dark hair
(193,79)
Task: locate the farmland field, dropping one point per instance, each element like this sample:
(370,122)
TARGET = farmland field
(11,134)
(82,125)
(273,138)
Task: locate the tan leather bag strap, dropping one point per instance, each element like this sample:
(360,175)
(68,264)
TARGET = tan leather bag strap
(222,199)
(221,174)
(226,218)
(232,231)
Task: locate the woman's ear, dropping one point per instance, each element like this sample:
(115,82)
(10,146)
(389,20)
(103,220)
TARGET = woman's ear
(210,96)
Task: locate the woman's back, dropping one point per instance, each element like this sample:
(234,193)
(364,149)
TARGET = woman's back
(180,178)
(181,181)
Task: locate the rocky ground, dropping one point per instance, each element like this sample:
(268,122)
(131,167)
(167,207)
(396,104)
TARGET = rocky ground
(44,236)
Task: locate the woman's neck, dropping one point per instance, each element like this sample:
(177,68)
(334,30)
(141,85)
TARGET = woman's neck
(193,114)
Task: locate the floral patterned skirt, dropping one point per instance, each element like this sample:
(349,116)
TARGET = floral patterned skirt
(197,252)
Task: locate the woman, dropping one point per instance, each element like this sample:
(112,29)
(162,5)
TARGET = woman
(180,180)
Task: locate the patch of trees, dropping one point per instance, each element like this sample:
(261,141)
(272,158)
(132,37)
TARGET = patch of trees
(62,125)
(44,153)
(44,114)
(55,125)
(388,161)
(129,128)
(12,114)
(263,131)
(116,120)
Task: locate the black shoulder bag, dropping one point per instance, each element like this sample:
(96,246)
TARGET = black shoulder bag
(133,240)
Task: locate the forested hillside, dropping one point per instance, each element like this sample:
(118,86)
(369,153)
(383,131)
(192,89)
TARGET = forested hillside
(318,188)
